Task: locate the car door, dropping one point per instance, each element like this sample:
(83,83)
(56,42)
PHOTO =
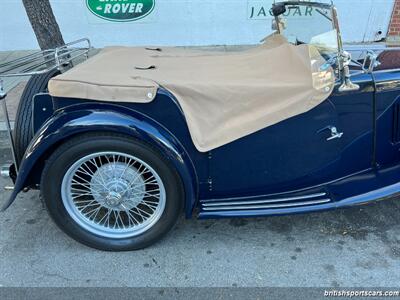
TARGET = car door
(388,116)
(301,152)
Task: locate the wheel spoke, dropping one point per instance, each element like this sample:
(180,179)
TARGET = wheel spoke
(83,201)
(87,168)
(84,172)
(149,206)
(148,191)
(115,219)
(77,191)
(95,216)
(81,178)
(128,165)
(93,211)
(94,202)
(150,180)
(113,194)
(137,176)
(120,218)
(94,162)
(144,212)
(81,195)
(145,194)
(151,202)
(104,217)
(132,215)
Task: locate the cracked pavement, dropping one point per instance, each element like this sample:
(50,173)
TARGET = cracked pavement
(344,248)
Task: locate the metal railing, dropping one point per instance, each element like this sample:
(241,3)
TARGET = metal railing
(37,63)
(370,59)
(44,61)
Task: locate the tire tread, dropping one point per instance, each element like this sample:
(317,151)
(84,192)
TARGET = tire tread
(23,131)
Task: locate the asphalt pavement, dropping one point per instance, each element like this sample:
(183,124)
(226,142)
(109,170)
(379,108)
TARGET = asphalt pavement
(344,248)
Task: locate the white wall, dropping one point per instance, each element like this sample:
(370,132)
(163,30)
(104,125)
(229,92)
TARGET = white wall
(183,22)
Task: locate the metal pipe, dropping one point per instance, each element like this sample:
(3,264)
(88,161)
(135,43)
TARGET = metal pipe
(27,72)
(32,65)
(27,57)
(5,171)
(23,63)
(40,54)
(56,57)
(59,62)
(7,121)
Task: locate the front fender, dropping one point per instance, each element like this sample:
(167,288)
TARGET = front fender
(90,117)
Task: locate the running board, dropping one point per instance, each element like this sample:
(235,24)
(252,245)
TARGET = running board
(258,203)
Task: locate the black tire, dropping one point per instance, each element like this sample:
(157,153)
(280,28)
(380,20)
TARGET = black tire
(76,148)
(23,131)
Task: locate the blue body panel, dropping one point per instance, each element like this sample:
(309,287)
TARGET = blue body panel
(295,153)
(284,163)
(89,117)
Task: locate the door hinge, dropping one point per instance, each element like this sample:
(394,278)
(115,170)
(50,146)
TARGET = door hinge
(210,184)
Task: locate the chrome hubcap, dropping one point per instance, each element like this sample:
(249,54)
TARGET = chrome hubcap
(113,194)
(123,188)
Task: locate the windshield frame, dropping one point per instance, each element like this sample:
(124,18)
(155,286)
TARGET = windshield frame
(343,58)
(280,8)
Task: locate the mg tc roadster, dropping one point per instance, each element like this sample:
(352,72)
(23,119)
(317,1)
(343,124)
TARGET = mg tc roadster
(123,142)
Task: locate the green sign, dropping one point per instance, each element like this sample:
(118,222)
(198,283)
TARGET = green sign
(121,10)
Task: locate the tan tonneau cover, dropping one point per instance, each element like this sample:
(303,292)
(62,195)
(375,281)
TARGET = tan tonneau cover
(224,96)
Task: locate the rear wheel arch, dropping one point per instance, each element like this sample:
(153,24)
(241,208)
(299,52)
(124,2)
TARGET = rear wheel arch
(39,165)
(169,147)
(91,133)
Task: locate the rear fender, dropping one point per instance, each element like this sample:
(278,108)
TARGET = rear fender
(89,117)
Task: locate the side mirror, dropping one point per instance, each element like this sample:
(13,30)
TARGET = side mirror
(278,9)
(370,62)
(347,85)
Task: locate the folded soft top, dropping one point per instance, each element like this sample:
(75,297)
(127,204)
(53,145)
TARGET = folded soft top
(224,96)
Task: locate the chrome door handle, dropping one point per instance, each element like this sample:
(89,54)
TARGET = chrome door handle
(335,134)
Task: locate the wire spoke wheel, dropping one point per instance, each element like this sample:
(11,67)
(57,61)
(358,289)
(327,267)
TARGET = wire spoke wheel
(113,194)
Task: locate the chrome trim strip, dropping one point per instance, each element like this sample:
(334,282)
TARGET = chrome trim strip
(226,202)
(267,206)
(386,71)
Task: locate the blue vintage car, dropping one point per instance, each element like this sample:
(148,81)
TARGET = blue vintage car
(116,175)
